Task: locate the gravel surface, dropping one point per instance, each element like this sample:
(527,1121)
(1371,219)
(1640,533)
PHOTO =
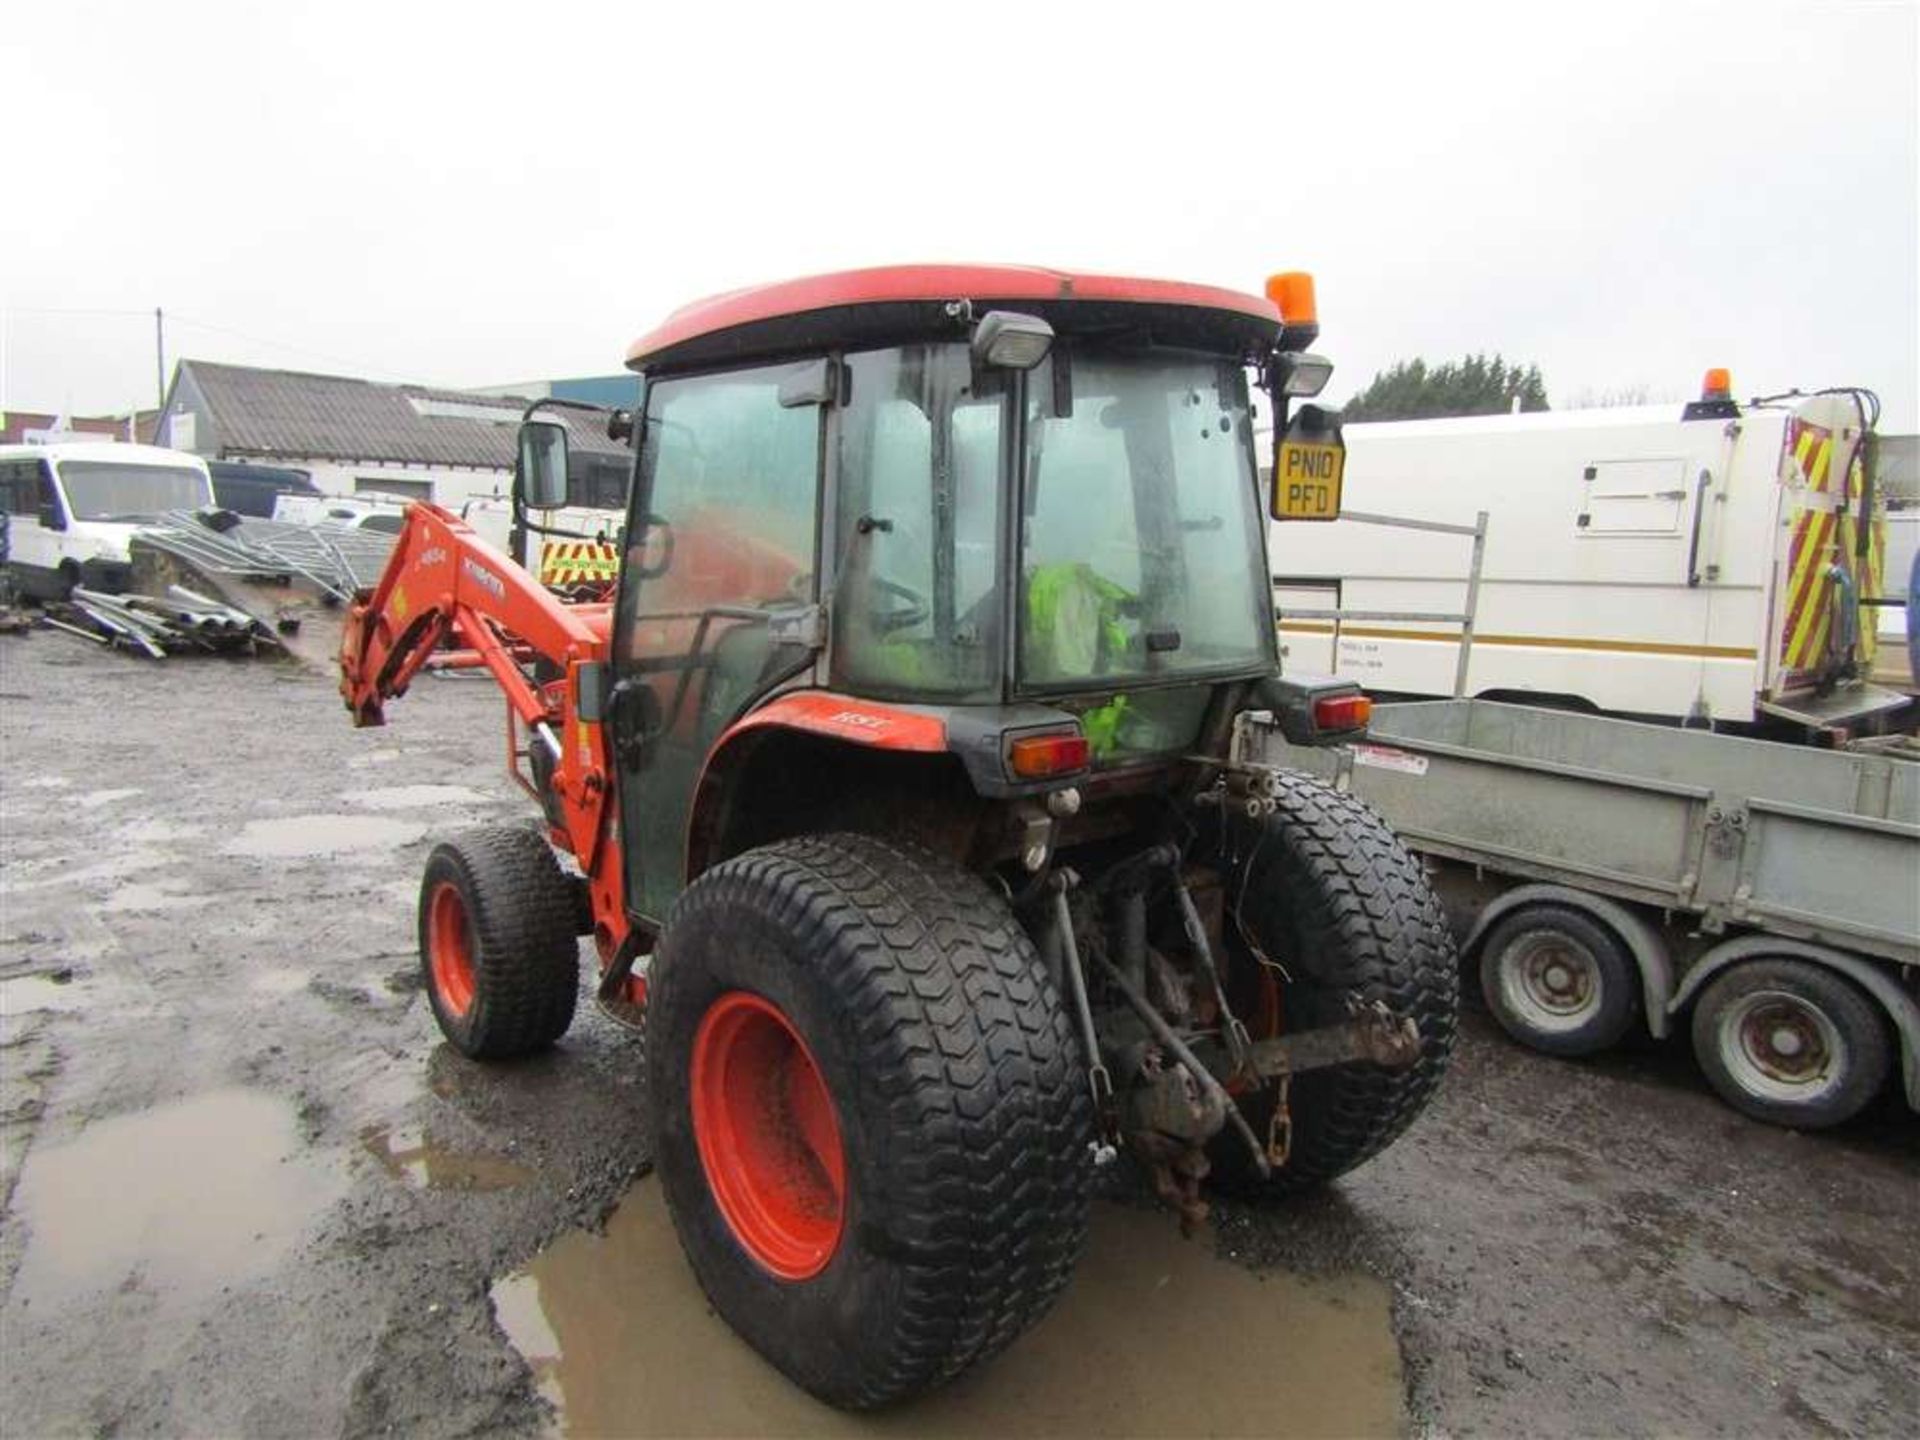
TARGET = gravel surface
(248,1190)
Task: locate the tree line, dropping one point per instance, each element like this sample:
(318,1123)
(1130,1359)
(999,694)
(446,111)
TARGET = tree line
(1475,385)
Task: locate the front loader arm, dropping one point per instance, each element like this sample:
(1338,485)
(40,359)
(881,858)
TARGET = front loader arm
(443,578)
(443,582)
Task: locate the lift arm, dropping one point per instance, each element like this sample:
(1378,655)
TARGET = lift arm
(444,583)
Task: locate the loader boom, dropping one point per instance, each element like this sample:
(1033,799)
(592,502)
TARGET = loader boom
(449,600)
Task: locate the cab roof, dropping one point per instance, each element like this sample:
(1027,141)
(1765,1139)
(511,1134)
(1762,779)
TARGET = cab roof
(891,303)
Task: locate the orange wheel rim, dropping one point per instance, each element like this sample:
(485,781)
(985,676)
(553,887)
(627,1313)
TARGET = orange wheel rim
(450,949)
(768,1137)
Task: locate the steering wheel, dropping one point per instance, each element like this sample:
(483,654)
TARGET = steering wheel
(912,610)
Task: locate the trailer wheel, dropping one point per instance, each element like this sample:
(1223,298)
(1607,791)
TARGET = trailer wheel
(1791,1043)
(1344,913)
(1559,981)
(869,1113)
(497,945)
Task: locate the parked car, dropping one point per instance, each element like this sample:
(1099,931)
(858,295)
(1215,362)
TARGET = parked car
(348,512)
(250,489)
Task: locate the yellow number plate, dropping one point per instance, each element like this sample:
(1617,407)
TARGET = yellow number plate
(1306,480)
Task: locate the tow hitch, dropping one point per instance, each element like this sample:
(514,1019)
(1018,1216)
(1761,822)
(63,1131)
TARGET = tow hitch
(1374,1035)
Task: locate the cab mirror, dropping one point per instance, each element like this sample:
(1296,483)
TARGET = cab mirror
(543,464)
(51,517)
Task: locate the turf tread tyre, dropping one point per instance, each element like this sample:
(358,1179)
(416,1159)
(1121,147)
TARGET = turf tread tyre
(526,957)
(1619,979)
(1333,896)
(1862,1026)
(961,1100)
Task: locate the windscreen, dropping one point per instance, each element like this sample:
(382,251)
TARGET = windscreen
(1141,555)
(105,490)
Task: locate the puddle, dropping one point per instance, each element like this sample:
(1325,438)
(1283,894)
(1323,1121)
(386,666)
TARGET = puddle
(151,897)
(413,797)
(308,835)
(183,1200)
(94,799)
(27,993)
(410,1156)
(1154,1337)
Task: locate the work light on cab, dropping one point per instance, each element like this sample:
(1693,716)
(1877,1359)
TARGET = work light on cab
(1303,376)
(1010,341)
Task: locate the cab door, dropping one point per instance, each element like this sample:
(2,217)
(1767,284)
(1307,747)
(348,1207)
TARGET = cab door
(718,589)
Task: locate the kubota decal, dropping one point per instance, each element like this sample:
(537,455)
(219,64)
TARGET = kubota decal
(484,577)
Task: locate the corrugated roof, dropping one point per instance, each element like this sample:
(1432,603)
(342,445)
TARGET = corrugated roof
(289,414)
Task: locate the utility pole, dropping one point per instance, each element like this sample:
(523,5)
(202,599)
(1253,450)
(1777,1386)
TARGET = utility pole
(159,365)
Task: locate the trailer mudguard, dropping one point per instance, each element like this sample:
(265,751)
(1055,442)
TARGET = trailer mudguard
(1643,942)
(1900,1007)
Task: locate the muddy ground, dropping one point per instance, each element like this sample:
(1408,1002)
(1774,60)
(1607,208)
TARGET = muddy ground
(248,1190)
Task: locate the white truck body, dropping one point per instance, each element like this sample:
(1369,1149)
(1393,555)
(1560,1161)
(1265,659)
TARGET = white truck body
(1636,562)
(74,508)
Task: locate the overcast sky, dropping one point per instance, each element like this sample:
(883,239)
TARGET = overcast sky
(1623,193)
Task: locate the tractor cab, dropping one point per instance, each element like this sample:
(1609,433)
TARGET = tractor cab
(1008,517)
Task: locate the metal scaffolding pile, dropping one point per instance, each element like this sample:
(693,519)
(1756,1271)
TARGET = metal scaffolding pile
(339,561)
(182,620)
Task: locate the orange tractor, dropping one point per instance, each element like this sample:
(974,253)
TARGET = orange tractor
(897,789)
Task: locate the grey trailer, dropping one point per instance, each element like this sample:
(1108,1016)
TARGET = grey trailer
(1606,873)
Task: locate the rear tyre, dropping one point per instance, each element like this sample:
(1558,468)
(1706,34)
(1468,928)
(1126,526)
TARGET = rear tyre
(869,1114)
(1329,894)
(1559,981)
(1791,1043)
(497,946)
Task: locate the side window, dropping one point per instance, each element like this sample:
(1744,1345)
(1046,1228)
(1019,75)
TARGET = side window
(20,488)
(731,479)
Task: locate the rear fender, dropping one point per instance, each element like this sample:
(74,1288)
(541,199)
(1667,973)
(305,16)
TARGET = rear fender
(808,770)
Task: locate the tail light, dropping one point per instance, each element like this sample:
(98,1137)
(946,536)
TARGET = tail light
(1342,712)
(1036,757)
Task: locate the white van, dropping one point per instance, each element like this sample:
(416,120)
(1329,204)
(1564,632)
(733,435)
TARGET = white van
(72,509)
(1705,564)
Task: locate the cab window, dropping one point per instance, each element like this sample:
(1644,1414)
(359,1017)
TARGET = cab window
(916,605)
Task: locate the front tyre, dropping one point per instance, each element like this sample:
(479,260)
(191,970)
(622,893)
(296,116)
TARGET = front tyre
(497,946)
(868,1111)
